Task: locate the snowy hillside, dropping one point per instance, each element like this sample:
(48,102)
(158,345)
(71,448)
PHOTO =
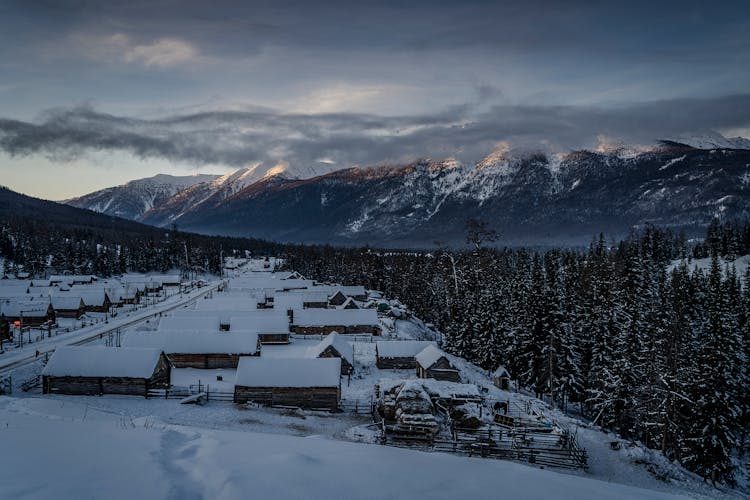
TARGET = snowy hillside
(190,462)
(132,199)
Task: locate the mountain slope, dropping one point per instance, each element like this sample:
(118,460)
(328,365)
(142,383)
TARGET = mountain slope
(132,199)
(529,199)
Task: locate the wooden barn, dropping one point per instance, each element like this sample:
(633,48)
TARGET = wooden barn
(105,370)
(501,378)
(303,383)
(346,321)
(67,306)
(398,354)
(434,363)
(335,346)
(199,350)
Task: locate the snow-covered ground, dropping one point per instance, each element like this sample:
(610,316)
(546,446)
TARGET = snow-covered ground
(65,450)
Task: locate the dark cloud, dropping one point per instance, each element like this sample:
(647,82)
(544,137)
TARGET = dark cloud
(237,138)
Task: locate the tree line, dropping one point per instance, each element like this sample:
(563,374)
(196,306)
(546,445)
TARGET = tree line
(630,334)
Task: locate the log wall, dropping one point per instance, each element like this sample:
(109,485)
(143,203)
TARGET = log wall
(302,397)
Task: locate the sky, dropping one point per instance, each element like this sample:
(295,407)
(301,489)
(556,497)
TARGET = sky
(93,94)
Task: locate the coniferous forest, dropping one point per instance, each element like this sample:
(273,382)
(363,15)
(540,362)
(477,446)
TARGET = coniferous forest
(659,353)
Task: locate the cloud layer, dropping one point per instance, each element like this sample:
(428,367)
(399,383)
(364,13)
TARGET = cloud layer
(238,138)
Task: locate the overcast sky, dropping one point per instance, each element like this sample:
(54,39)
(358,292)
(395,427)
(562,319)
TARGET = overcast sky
(93,94)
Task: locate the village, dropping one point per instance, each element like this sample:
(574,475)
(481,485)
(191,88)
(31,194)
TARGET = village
(289,351)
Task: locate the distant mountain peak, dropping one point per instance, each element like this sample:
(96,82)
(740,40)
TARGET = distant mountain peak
(709,140)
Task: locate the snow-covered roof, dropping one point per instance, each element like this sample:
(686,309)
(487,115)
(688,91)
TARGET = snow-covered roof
(72,278)
(429,356)
(348,290)
(288,372)
(336,317)
(233,303)
(269,321)
(207,323)
(195,343)
(65,302)
(501,372)
(401,348)
(450,390)
(13,289)
(338,342)
(99,361)
(29,309)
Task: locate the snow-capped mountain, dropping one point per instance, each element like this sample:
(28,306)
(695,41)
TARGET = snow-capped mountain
(528,198)
(712,140)
(132,199)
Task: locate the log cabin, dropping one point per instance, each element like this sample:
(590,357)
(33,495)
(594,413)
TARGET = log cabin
(303,383)
(27,313)
(345,321)
(501,378)
(199,349)
(67,306)
(434,363)
(335,346)
(398,354)
(100,370)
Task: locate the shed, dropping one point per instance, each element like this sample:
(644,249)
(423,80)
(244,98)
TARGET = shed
(501,378)
(335,346)
(105,370)
(434,363)
(304,383)
(199,350)
(398,354)
(324,321)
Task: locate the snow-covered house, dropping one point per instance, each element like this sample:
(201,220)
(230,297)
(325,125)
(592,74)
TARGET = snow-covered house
(434,363)
(271,326)
(67,306)
(206,323)
(324,321)
(230,303)
(199,350)
(350,303)
(338,298)
(335,346)
(304,382)
(398,354)
(501,378)
(72,279)
(105,370)
(25,312)
(95,299)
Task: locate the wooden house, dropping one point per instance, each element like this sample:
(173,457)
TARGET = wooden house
(346,321)
(350,304)
(501,378)
(67,306)
(184,321)
(199,350)
(271,326)
(94,299)
(398,354)
(105,370)
(337,299)
(31,313)
(335,346)
(303,383)
(434,363)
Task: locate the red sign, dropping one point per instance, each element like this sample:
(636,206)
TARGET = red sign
(17,324)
